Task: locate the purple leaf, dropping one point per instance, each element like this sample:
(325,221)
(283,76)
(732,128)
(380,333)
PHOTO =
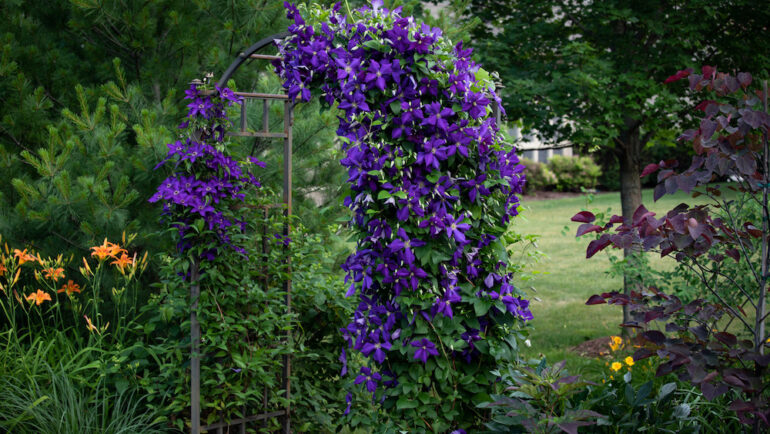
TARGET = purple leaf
(595,299)
(694,228)
(744,78)
(726,338)
(707,128)
(700,332)
(671,185)
(650,168)
(708,71)
(654,336)
(597,245)
(710,392)
(640,214)
(688,135)
(678,76)
(569,427)
(711,109)
(750,117)
(584,217)
(651,242)
(746,163)
(686,183)
(695,80)
(732,83)
(586,228)
(642,353)
(660,191)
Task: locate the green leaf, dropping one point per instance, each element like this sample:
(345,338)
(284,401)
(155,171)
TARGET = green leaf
(404,403)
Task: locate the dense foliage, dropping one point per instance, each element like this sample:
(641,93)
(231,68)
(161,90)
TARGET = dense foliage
(432,187)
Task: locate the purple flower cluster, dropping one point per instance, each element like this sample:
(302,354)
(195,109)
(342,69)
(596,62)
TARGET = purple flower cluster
(205,180)
(429,177)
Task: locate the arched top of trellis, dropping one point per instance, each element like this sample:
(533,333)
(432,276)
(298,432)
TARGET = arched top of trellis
(251,53)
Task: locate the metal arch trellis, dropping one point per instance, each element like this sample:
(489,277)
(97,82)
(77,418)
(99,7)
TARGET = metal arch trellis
(195,329)
(287,136)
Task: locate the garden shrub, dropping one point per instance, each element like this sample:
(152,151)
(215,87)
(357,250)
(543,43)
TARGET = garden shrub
(539,176)
(717,346)
(432,188)
(574,173)
(543,398)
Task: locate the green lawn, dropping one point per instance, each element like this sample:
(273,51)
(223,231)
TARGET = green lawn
(562,320)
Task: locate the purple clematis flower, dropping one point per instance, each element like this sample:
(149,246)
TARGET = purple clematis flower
(377,74)
(475,104)
(437,116)
(200,107)
(444,305)
(455,228)
(377,350)
(369,377)
(425,348)
(403,242)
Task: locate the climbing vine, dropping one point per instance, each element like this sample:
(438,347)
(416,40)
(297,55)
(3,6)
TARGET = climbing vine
(432,187)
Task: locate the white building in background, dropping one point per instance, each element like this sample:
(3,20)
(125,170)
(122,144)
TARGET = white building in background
(530,147)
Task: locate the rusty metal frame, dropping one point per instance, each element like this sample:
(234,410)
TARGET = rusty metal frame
(195,330)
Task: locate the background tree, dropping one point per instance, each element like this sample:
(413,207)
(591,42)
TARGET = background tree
(88,89)
(591,73)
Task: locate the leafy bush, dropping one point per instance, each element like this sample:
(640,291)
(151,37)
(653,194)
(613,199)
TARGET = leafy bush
(541,399)
(539,176)
(574,173)
(721,344)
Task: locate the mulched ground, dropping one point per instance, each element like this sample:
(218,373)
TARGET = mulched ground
(593,348)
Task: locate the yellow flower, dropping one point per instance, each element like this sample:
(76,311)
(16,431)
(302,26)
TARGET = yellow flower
(39,297)
(616,366)
(629,361)
(53,273)
(615,342)
(69,288)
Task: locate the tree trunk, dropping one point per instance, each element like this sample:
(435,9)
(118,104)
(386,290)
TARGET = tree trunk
(629,156)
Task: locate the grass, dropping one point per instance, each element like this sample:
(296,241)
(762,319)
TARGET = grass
(562,320)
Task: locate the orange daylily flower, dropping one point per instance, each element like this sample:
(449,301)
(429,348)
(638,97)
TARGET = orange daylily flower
(69,288)
(39,297)
(54,273)
(23,256)
(123,261)
(2,269)
(107,249)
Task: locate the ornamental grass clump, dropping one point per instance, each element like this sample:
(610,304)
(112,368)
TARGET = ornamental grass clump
(432,188)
